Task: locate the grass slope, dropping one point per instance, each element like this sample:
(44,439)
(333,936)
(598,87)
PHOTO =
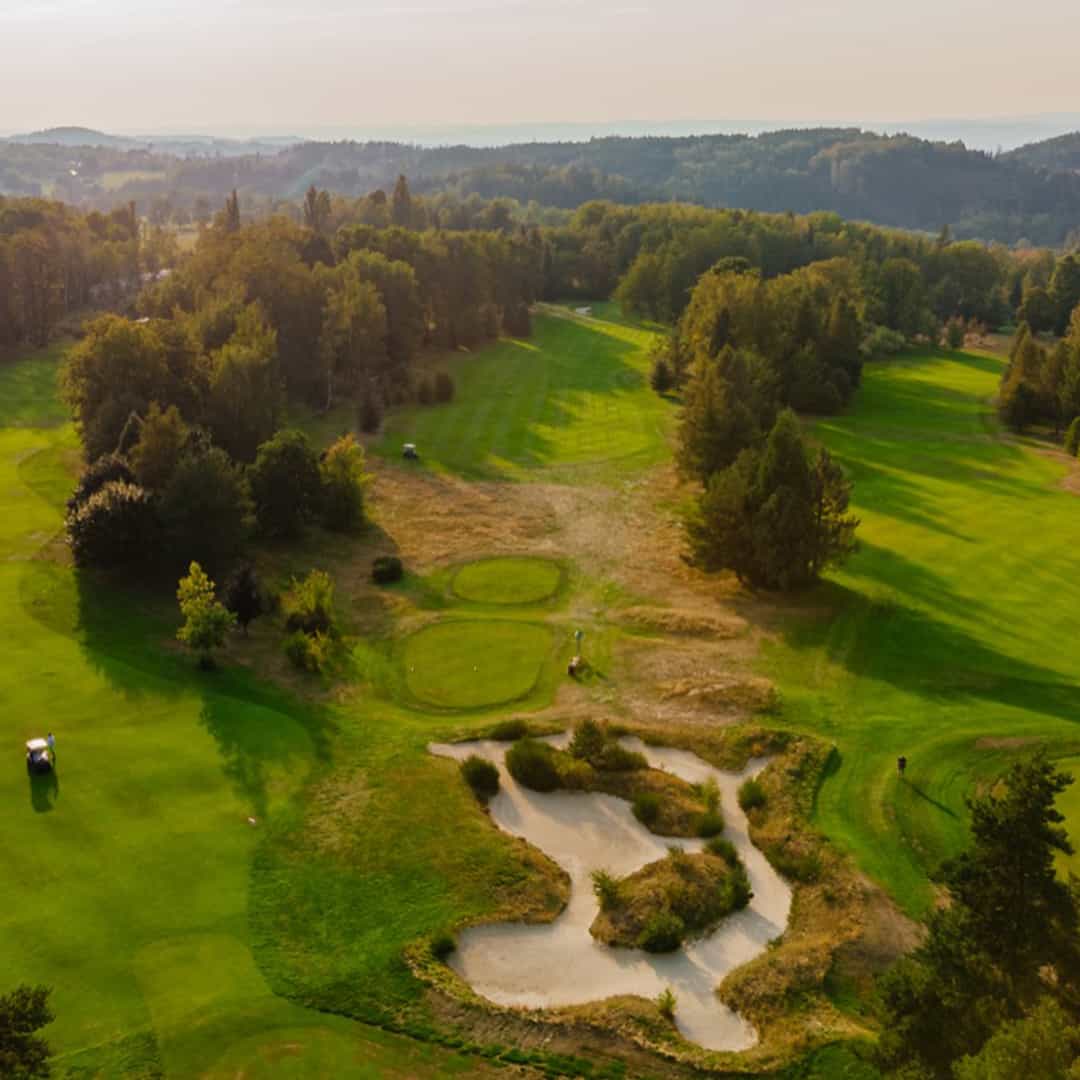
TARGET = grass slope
(950,637)
(573,398)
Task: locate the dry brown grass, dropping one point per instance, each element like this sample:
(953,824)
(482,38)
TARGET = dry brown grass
(689,886)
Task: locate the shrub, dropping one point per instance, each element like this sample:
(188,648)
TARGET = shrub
(244,598)
(802,866)
(709,793)
(711,824)
(722,846)
(285,484)
(661,378)
(751,795)
(206,619)
(108,469)
(737,886)
(442,945)
(116,526)
(647,808)
(883,341)
(588,740)
(509,730)
(1072,438)
(663,932)
(369,415)
(444,388)
(517,321)
(386,569)
(532,764)
(308,652)
(309,604)
(616,758)
(343,484)
(606,887)
(482,776)
(424,392)
(575,775)
(666,1004)
(955,332)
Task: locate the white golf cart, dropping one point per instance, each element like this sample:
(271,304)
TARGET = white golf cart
(38,756)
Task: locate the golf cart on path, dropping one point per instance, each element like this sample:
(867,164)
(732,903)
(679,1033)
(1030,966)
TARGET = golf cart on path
(38,758)
(409,452)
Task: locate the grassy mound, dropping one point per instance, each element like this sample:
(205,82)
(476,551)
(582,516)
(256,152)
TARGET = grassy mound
(595,761)
(465,664)
(517,580)
(664,903)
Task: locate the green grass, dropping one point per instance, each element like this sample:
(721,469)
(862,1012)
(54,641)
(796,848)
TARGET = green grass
(135,885)
(1069,805)
(951,630)
(508,581)
(571,402)
(473,664)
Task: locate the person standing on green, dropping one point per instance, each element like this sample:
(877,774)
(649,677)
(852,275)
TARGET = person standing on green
(51,740)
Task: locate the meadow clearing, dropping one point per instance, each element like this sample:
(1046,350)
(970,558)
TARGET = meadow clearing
(183,940)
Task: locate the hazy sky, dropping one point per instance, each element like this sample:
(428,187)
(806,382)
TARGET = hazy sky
(298,66)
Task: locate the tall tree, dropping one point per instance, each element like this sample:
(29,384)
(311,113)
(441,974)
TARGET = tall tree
(402,204)
(24,1054)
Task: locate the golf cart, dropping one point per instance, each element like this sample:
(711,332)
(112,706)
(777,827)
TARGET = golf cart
(409,451)
(38,758)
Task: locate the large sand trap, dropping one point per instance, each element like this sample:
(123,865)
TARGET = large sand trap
(560,963)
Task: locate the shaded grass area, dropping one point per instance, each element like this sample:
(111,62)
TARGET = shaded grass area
(573,397)
(948,638)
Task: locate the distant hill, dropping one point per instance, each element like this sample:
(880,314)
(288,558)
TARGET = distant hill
(1055,155)
(72,136)
(1030,195)
(177,145)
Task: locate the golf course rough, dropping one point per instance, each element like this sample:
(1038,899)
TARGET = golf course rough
(475,664)
(509,581)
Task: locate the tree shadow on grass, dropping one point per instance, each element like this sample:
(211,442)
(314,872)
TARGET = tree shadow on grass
(894,643)
(121,630)
(564,377)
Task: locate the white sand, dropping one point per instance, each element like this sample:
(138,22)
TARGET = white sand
(560,963)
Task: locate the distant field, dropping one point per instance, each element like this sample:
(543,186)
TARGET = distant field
(950,638)
(113,181)
(573,401)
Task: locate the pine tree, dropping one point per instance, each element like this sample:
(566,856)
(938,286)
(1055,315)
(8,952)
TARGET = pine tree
(401,204)
(715,426)
(232,212)
(244,597)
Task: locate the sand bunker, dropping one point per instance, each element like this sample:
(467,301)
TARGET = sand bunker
(560,963)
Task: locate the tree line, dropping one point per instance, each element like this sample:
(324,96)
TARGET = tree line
(55,260)
(1030,196)
(179,411)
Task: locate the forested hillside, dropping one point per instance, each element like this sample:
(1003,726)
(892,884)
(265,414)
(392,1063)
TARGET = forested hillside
(1032,194)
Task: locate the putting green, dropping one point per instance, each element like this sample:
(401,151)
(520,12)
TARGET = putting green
(464,664)
(517,580)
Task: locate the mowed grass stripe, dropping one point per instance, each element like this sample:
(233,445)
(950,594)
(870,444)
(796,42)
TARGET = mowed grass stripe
(574,396)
